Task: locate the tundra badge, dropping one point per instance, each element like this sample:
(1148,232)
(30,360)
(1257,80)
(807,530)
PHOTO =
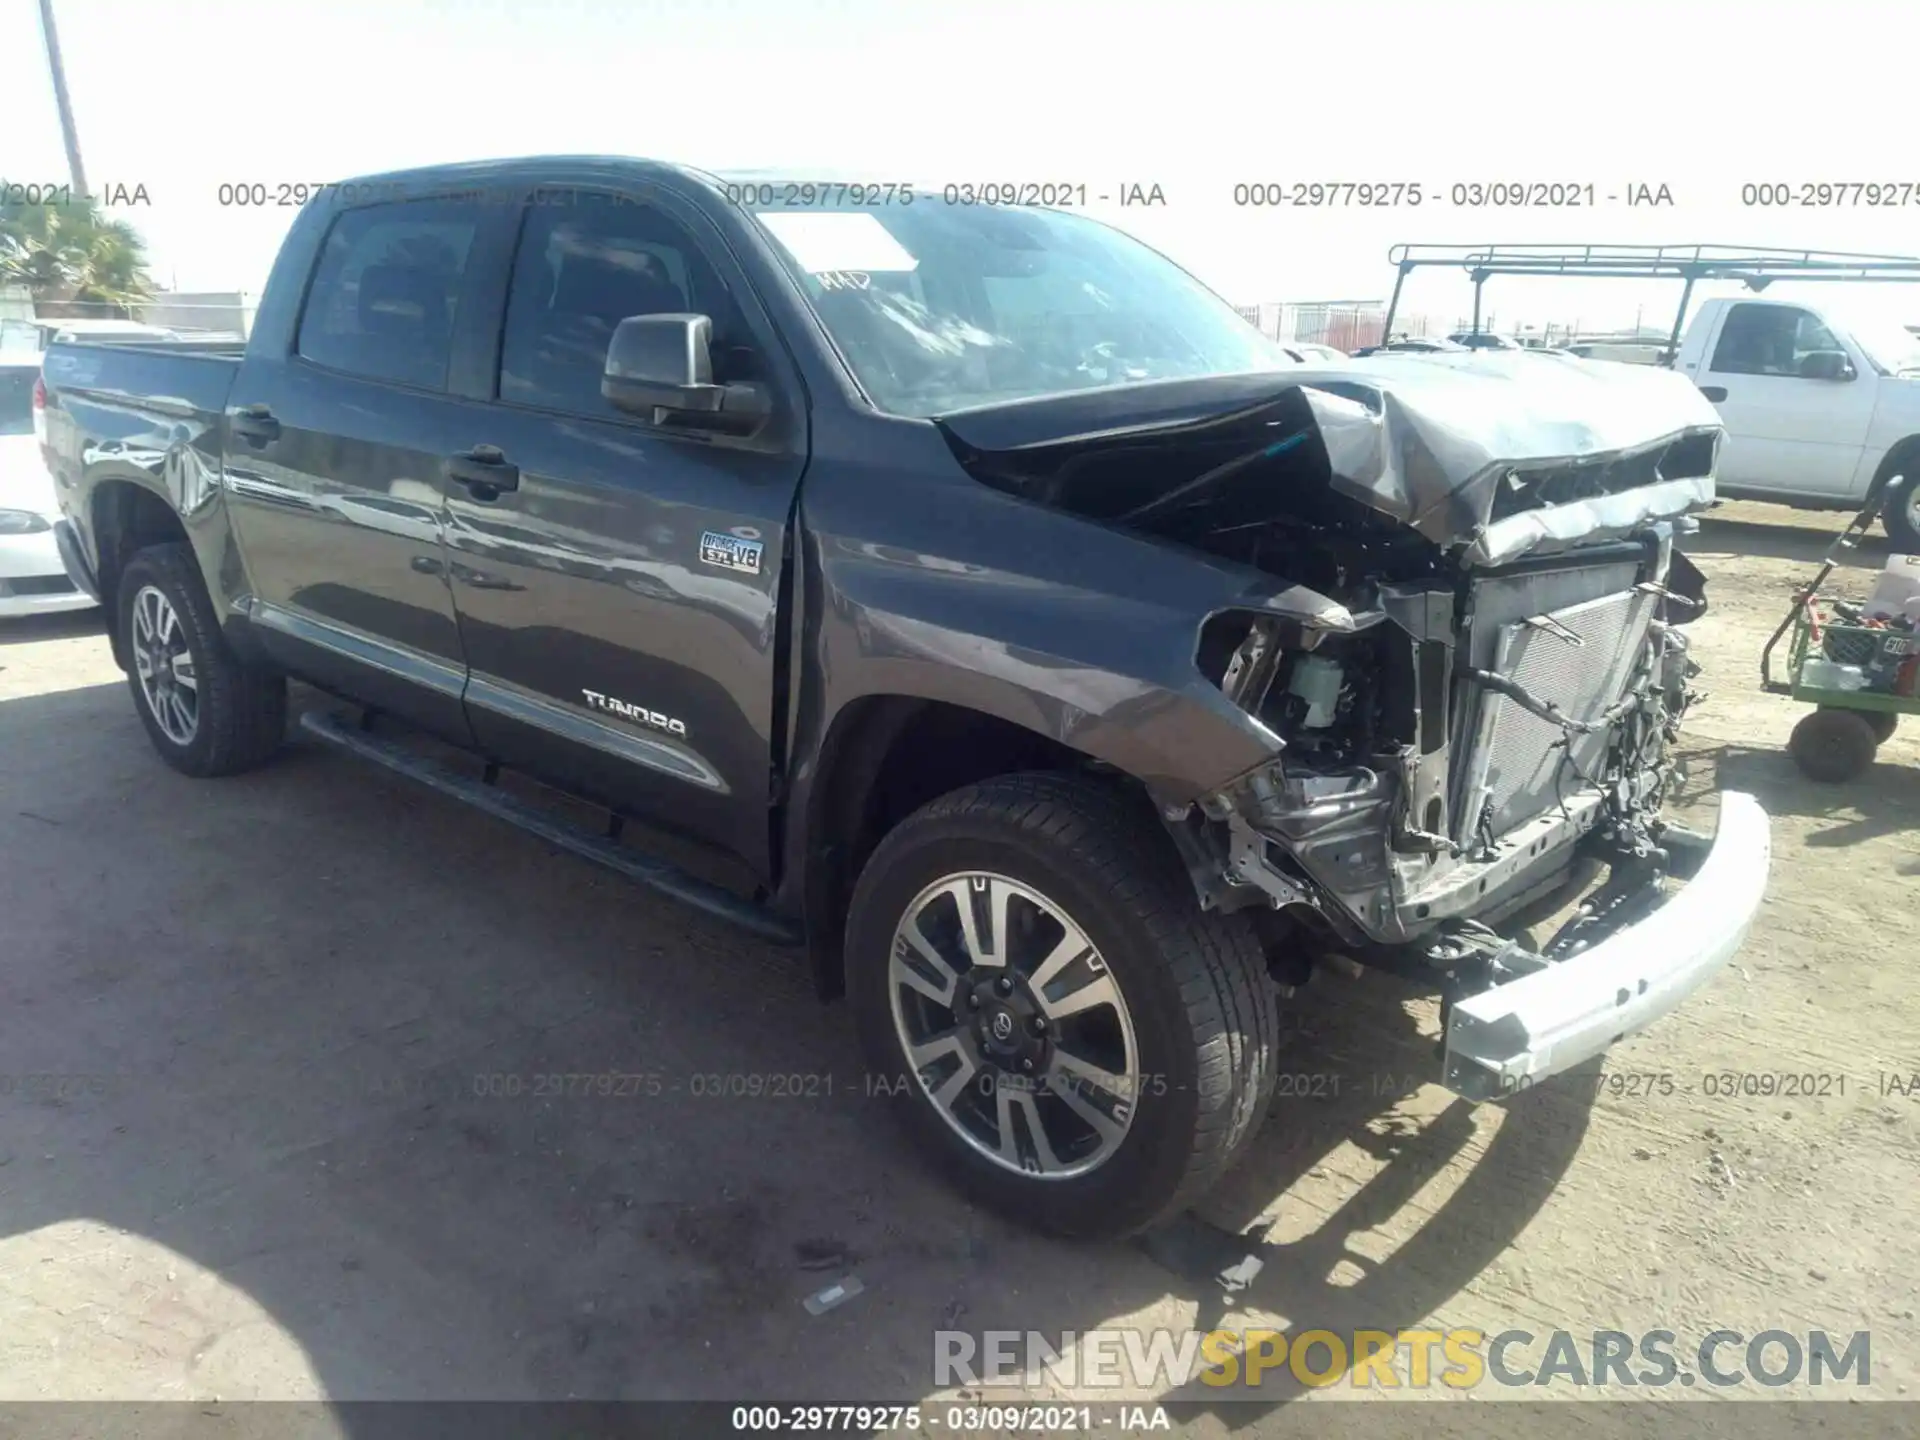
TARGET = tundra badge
(730,552)
(638,713)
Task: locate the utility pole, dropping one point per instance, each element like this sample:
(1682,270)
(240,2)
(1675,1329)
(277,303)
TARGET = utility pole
(76,172)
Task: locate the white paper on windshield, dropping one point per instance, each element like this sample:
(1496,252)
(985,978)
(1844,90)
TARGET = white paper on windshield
(826,241)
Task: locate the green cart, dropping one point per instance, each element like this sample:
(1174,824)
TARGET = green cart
(1838,740)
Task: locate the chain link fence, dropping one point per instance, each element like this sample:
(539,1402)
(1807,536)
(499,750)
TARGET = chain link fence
(1347,325)
(1352,325)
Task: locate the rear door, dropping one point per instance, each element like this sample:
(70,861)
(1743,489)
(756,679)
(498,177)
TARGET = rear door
(619,607)
(1787,433)
(337,447)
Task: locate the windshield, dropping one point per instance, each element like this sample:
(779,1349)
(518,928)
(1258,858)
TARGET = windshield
(941,307)
(1889,345)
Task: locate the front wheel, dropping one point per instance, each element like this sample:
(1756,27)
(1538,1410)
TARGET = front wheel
(1900,512)
(206,712)
(1056,1020)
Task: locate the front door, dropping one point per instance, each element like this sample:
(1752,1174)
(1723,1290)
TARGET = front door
(1787,433)
(619,604)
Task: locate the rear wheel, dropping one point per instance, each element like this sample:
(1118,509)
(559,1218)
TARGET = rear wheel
(206,712)
(1050,1011)
(1832,745)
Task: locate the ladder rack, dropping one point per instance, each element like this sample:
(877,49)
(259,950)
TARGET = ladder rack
(1754,266)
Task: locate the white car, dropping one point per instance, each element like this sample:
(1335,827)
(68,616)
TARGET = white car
(32,579)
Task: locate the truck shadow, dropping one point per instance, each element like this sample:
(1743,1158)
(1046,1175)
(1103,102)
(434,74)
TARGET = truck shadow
(309,1014)
(1883,802)
(1784,540)
(1388,1144)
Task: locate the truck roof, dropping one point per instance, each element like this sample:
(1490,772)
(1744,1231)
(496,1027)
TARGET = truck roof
(481,172)
(525,167)
(1802,303)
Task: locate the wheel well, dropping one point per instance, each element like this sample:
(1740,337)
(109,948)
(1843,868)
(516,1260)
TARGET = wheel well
(127,519)
(885,758)
(1897,460)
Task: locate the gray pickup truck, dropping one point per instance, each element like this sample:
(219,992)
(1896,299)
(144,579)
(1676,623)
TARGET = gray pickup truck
(963,594)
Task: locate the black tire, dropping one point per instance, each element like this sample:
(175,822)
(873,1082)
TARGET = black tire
(1204,1013)
(1882,722)
(241,710)
(1832,745)
(1897,510)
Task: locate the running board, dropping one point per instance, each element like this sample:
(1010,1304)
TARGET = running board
(670,880)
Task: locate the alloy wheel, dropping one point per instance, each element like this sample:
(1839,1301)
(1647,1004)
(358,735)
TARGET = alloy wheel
(164,666)
(1014,1027)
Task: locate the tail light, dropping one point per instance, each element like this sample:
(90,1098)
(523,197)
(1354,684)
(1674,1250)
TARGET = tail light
(39,408)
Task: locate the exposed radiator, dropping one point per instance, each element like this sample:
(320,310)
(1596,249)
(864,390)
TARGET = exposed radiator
(1580,658)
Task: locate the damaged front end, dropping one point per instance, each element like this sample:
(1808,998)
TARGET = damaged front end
(1473,684)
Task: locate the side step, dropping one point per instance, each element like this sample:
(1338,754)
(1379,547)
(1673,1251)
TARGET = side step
(657,874)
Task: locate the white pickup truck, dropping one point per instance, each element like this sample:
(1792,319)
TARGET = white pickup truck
(1820,407)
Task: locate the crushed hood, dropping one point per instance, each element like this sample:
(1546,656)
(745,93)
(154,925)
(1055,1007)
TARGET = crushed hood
(1496,454)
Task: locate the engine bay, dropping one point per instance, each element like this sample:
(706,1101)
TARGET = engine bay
(1501,693)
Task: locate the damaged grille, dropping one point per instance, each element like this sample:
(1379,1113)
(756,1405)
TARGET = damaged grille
(1542,487)
(1579,658)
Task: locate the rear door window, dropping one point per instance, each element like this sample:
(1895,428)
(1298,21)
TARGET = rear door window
(386,290)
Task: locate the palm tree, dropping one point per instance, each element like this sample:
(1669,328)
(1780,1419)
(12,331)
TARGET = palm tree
(71,260)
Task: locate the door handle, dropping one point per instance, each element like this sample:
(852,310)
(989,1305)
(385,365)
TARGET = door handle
(255,424)
(1714,392)
(484,470)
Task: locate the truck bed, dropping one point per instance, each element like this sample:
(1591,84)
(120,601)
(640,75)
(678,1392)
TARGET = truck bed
(215,345)
(134,392)
(136,416)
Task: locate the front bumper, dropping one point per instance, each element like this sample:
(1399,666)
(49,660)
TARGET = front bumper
(34,579)
(1505,1039)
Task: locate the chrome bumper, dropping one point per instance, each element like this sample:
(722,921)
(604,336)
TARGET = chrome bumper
(1504,1039)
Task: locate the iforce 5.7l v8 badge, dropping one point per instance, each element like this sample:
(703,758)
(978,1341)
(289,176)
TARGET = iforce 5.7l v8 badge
(730,552)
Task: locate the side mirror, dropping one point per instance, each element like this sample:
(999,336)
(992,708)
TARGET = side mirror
(661,367)
(1826,365)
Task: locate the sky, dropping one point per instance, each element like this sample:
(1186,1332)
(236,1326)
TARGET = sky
(178,97)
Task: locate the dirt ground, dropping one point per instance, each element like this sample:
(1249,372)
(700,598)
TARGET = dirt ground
(260,1168)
